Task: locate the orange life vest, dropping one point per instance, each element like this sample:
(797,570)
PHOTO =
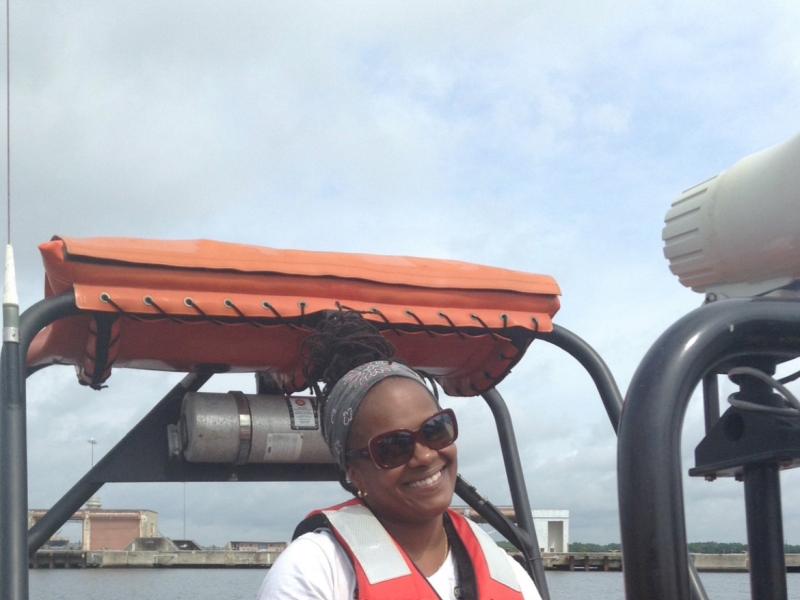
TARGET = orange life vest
(384,571)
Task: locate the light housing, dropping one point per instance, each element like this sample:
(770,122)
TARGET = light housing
(738,234)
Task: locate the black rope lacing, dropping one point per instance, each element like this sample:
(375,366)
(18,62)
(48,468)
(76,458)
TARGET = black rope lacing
(242,318)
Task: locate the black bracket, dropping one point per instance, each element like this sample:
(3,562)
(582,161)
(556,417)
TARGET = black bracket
(746,437)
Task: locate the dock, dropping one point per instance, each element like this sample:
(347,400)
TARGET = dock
(58,559)
(196,559)
(612,561)
(240,559)
(582,561)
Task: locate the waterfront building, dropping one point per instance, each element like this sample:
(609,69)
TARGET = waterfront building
(103,529)
(552,529)
(552,526)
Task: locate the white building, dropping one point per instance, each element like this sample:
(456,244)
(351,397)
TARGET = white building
(552,528)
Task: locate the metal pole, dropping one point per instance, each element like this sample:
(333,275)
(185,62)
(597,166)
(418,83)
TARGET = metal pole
(710,400)
(13,465)
(576,347)
(649,463)
(492,515)
(581,351)
(13,441)
(41,314)
(184,510)
(92,443)
(516,482)
(762,497)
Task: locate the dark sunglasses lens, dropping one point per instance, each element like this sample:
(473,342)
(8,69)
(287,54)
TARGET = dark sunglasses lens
(393,449)
(439,431)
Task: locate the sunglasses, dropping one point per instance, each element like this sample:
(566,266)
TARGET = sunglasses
(395,448)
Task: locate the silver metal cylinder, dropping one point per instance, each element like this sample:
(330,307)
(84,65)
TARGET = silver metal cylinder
(237,428)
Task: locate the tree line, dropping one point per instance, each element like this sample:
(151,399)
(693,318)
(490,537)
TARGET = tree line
(695,547)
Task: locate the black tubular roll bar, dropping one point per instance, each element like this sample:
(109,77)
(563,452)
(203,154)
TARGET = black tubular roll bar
(563,338)
(148,439)
(14,446)
(612,400)
(516,484)
(708,340)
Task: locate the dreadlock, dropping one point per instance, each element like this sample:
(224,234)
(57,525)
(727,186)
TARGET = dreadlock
(342,341)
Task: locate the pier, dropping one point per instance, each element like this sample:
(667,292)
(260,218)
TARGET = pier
(58,559)
(582,561)
(259,559)
(612,561)
(196,559)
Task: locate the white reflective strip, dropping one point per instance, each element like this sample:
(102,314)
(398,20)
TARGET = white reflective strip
(496,558)
(371,545)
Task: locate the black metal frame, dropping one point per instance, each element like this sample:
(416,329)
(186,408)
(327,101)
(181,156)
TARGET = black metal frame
(612,400)
(14,446)
(704,342)
(143,455)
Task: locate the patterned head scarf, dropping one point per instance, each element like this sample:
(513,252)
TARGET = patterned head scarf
(345,399)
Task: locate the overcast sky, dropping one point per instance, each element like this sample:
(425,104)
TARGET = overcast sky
(547,137)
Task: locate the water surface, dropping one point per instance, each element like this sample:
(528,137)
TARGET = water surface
(235,584)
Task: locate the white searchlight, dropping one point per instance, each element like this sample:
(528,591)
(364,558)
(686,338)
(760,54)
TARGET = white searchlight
(738,234)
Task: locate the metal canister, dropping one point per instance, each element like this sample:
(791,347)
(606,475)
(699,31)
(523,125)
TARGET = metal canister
(237,428)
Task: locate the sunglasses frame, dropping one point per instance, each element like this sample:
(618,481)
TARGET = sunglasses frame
(367,451)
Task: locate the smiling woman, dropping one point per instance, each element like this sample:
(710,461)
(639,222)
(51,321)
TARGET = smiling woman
(396,450)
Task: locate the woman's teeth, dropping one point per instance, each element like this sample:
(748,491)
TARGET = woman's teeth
(428,481)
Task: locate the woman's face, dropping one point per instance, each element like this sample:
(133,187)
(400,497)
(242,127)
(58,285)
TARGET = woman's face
(419,490)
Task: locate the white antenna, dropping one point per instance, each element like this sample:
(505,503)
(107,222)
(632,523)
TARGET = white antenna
(10,297)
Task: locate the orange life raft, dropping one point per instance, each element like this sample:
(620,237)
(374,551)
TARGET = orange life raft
(183,305)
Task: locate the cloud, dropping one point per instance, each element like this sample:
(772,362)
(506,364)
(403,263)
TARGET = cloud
(547,138)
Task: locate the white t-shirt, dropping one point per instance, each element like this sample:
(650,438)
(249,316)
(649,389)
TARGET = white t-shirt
(315,567)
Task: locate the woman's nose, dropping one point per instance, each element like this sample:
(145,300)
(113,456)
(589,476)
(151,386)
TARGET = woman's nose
(422,455)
